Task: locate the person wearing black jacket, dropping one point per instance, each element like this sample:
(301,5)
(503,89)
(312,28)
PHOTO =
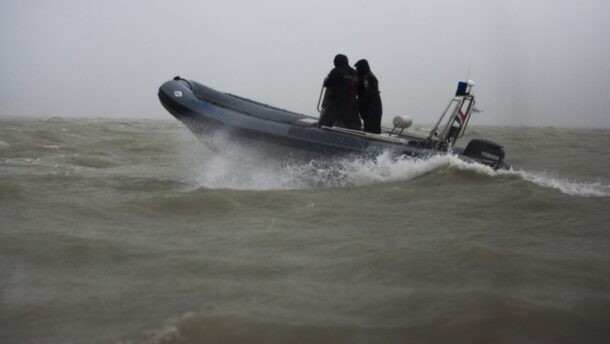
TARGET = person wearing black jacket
(369,101)
(339,106)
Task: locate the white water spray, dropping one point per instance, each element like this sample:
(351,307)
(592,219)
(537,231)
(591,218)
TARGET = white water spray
(238,167)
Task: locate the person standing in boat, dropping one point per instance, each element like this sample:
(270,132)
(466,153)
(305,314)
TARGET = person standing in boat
(369,101)
(339,106)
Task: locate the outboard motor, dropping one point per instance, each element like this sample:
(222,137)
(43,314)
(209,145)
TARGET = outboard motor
(486,152)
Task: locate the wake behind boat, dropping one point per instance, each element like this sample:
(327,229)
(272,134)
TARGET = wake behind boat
(206,112)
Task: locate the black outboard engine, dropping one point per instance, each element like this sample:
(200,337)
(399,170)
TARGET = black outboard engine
(486,152)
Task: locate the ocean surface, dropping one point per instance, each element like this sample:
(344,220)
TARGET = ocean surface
(132,231)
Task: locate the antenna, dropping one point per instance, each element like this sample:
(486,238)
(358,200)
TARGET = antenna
(468,70)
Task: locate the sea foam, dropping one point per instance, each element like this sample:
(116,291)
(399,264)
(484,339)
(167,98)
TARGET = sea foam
(566,186)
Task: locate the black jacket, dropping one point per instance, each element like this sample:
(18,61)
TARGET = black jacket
(339,102)
(369,102)
(368,90)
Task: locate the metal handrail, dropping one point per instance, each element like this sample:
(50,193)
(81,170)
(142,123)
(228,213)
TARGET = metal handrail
(322,92)
(458,103)
(434,129)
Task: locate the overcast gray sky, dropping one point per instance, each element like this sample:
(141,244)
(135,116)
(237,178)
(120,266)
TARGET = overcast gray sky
(535,62)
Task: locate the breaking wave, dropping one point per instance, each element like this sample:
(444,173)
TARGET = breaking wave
(233,170)
(251,172)
(566,186)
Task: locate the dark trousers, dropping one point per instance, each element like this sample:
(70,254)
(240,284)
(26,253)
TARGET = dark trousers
(330,118)
(371,115)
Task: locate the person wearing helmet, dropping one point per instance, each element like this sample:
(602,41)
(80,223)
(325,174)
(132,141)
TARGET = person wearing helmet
(339,106)
(369,101)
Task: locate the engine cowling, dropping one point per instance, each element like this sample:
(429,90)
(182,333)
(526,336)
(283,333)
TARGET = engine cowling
(486,152)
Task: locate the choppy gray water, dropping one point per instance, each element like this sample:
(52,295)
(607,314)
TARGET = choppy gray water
(134,232)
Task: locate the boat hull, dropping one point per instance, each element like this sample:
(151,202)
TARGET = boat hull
(210,114)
